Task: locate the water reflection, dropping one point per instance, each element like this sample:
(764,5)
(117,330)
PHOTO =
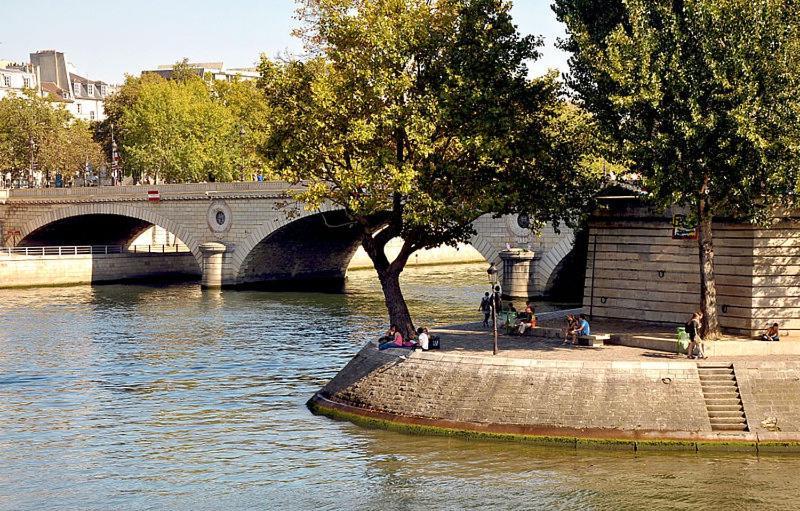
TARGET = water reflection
(127,397)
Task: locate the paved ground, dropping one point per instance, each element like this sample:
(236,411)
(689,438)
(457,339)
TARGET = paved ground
(474,339)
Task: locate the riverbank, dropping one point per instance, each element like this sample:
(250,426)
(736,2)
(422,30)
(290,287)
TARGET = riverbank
(542,391)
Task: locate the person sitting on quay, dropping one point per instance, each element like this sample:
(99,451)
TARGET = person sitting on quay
(526,319)
(572,324)
(771,333)
(695,341)
(581,329)
(394,339)
(423,338)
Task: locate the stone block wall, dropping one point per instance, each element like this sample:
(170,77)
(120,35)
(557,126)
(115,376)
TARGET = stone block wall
(637,271)
(24,271)
(770,390)
(573,395)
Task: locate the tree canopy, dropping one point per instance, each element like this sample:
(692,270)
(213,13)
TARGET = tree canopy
(187,129)
(702,98)
(417,117)
(33,128)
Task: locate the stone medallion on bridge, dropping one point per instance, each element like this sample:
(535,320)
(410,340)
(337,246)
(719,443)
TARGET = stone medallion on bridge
(219,217)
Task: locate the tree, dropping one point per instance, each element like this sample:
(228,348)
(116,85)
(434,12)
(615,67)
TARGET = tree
(35,130)
(26,122)
(702,98)
(174,130)
(247,105)
(69,149)
(417,117)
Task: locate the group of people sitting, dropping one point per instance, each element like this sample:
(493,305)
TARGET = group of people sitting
(577,326)
(523,321)
(394,339)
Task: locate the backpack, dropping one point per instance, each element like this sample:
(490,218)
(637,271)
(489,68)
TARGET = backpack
(485,304)
(690,329)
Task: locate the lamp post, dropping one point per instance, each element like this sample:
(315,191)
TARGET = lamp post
(492,272)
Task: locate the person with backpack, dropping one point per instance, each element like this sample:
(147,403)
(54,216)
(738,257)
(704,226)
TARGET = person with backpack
(695,341)
(486,308)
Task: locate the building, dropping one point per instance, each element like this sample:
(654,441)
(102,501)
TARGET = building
(15,78)
(209,71)
(84,98)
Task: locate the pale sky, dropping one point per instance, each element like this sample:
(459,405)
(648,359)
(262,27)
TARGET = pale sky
(105,40)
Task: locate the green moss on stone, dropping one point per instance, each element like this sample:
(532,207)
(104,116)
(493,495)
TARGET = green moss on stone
(666,445)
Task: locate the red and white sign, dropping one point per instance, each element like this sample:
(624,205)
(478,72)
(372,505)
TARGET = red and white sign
(153,195)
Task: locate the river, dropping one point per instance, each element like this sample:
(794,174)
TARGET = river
(134,397)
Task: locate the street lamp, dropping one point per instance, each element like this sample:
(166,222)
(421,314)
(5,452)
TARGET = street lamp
(492,273)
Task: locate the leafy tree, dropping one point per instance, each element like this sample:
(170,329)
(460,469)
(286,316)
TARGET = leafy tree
(34,128)
(247,105)
(417,117)
(702,96)
(176,131)
(69,149)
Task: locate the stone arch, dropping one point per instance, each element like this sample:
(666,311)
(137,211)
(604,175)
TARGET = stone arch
(312,247)
(124,210)
(550,264)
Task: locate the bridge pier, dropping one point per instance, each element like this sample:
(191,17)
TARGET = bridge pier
(518,281)
(212,264)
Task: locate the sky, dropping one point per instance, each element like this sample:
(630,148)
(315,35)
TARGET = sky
(106,40)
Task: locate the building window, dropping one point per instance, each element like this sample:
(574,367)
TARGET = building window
(7,80)
(26,82)
(103,90)
(76,87)
(90,89)
(79,107)
(91,115)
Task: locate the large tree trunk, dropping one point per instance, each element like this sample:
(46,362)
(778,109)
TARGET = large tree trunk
(395,302)
(708,285)
(389,276)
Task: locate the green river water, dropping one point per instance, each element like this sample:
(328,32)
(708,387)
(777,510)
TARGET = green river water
(137,398)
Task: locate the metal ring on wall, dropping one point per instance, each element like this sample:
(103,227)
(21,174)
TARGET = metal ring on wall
(661,273)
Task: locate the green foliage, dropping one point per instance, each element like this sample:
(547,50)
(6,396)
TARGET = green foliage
(175,131)
(247,105)
(417,117)
(694,92)
(187,129)
(34,127)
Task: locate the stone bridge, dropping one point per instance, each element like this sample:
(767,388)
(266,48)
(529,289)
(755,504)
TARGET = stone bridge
(239,233)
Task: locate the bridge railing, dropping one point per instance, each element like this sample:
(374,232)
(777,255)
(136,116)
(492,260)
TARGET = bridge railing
(93,250)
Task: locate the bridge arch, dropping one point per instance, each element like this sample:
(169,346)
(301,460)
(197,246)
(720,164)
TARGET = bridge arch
(312,247)
(145,216)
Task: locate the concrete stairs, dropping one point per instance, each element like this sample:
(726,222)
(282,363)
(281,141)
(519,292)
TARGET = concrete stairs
(721,393)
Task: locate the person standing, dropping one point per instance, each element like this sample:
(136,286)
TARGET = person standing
(486,308)
(695,341)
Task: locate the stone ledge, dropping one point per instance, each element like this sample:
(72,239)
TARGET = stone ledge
(561,437)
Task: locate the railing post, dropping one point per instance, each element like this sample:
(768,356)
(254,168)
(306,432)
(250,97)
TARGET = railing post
(106,247)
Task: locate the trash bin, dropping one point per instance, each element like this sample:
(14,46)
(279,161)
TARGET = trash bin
(682,342)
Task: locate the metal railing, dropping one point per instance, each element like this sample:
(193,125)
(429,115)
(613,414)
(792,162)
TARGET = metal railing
(94,250)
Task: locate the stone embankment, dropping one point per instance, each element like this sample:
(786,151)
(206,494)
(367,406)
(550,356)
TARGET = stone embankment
(55,270)
(628,404)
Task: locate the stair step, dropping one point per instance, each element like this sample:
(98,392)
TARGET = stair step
(729,427)
(715,371)
(728,420)
(717,377)
(725,408)
(720,388)
(725,414)
(723,401)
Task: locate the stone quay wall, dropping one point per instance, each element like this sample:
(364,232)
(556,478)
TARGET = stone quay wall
(639,272)
(619,404)
(29,271)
